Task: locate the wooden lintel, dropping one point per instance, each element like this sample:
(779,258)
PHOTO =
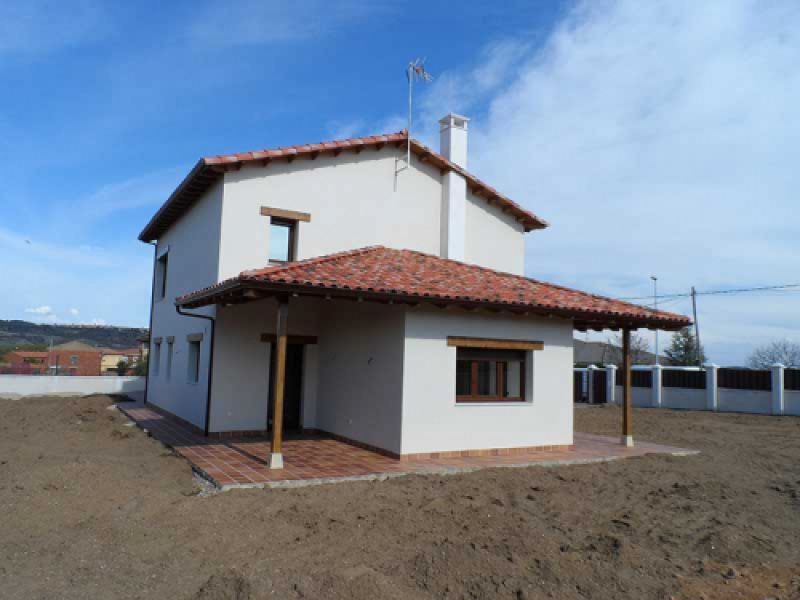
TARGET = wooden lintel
(291,339)
(494,343)
(282,213)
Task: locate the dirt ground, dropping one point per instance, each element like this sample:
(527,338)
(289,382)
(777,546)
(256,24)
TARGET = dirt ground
(92,508)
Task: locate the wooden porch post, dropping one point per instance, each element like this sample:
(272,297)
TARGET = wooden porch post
(627,396)
(281,328)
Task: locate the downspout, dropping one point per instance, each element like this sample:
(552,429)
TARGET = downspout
(150,327)
(210,362)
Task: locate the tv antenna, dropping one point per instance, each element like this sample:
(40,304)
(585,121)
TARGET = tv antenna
(414,70)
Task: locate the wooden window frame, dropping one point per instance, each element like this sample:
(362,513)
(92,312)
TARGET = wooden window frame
(291,224)
(498,397)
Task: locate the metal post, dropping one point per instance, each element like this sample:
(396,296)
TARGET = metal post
(696,326)
(655,307)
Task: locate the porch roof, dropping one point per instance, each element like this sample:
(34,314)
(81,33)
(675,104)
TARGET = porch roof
(405,276)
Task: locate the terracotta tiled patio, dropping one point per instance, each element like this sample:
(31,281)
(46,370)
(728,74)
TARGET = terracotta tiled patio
(232,463)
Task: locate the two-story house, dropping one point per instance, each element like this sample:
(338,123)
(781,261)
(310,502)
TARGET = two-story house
(344,288)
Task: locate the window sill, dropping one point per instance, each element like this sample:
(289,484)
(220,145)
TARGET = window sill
(496,403)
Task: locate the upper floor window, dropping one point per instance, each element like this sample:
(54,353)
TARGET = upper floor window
(282,234)
(73,360)
(161,276)
(283,227)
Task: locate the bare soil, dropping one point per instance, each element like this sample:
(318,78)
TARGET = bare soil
(92,508)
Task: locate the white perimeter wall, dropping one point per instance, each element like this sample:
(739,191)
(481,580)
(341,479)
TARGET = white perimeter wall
(685,398)
(747,401)
(361,373)
(432,421)
(791,403)
(16,386)
(642,397)
(193,243)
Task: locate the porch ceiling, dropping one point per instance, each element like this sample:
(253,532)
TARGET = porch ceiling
(389,276)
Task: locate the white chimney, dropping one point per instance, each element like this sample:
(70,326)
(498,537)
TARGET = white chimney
(453,146)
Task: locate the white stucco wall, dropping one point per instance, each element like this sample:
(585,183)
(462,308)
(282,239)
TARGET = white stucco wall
(492,238)
(357,200)
(354,200)
(193,243)
(432,421)
(18,386)
(240,389)
(748,401)
(361,366)
(684,398)
(791,403)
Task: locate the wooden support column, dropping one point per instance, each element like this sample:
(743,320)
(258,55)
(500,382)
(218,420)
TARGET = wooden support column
(627,391)
(279,378)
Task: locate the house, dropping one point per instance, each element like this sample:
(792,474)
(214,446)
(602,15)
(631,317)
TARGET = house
(111,357)
(26,362)
(345,288)
(74,358)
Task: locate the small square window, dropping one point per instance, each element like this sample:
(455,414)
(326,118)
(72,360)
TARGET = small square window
(282,240)
(73,360)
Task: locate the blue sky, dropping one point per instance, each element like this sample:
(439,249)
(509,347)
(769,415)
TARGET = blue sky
(656,138)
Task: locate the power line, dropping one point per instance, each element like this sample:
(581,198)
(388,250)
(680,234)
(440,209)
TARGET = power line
(783,287)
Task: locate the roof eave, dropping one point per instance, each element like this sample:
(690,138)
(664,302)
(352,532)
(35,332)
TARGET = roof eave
(234,292)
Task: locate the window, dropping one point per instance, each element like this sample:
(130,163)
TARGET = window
(169,359)
(484,375)
(156,357)
(282,240)
(194,362)
(161,276)
(73,360)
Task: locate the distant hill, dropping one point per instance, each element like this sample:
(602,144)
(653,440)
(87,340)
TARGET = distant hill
(23,333)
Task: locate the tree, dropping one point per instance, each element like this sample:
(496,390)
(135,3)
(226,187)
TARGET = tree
(683,350)
(140,369)
(781,352)
(122,367)
(640,350)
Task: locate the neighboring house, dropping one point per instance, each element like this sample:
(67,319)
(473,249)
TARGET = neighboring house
(74,358)
(111,357)
(334,287)
(71,358)
(23,362)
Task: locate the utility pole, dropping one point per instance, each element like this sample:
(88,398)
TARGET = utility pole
(696,327)
(655,306)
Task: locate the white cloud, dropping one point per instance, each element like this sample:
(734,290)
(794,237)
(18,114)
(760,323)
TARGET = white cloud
(39,310)
(74,312)
(657,138)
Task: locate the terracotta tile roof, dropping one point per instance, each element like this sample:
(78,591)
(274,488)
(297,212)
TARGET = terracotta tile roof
(209,169)
(386,274)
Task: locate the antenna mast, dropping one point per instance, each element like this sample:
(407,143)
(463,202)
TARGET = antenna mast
(415,70)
